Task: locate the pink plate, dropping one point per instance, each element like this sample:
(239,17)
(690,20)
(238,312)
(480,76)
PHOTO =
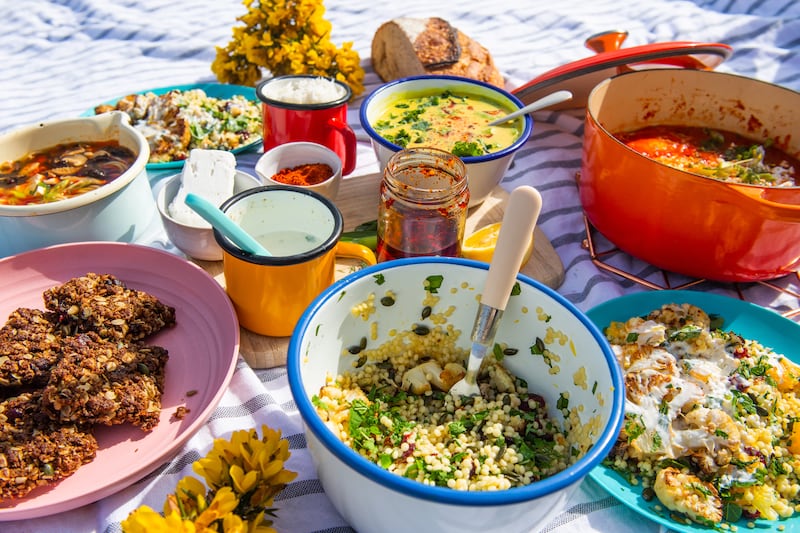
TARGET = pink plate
(203,349)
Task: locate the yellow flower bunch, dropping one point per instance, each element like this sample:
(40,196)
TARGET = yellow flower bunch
(286,37)
(242,477)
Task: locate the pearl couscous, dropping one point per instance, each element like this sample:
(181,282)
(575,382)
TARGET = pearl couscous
(394,409)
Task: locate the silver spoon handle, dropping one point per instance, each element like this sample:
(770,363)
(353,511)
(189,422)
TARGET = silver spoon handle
(546,101)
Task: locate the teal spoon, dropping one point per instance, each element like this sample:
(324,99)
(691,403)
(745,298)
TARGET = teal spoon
(220,221)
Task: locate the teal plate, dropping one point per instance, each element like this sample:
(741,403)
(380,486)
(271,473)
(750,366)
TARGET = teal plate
(748,320)
(214,90)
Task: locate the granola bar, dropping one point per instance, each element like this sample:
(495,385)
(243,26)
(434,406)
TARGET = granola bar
(29,347)
(105,305)
(36,451)
(98,381)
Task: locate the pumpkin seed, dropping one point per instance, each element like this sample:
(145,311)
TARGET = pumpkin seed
(421,330)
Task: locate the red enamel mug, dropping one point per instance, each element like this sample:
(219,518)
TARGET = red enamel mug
(308,108)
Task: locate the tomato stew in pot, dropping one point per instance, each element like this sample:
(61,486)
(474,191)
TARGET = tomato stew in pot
(715,153)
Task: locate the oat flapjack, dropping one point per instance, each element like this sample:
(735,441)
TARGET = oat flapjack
(29,346)
(81,362)
(36,451)
(105,305)
(100,381)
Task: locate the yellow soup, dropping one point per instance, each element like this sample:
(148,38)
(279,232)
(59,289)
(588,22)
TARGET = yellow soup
(456,123)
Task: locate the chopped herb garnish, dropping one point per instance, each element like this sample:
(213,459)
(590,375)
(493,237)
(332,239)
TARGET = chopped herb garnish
(433,283)
(497,351)
(562,402)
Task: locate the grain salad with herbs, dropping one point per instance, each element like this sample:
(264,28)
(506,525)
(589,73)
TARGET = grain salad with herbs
(711,418)
(178,121)
(394,408)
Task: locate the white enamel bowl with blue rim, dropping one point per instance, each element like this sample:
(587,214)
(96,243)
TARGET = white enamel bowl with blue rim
(122,210)
(484,172)
(373,499)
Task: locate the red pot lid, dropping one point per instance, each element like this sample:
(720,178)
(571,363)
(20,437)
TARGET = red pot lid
(581,76)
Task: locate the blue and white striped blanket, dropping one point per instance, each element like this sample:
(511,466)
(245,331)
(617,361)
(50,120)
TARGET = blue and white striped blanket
(60,58)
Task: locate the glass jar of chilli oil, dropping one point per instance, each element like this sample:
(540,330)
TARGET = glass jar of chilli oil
(423,205)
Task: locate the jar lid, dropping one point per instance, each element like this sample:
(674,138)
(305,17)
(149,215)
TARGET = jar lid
(580,77)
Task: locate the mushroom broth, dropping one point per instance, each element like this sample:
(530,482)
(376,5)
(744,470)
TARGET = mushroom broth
(62,171)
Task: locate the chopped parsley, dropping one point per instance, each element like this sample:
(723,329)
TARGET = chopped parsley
(433,283)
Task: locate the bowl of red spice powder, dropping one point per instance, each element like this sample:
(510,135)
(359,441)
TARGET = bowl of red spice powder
(305,165)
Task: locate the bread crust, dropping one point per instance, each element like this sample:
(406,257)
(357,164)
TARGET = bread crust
(438,45)
(405,47)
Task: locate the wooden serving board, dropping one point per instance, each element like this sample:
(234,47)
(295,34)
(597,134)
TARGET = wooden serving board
(358,202)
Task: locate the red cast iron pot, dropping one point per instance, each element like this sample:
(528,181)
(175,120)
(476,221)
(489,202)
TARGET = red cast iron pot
(677,221)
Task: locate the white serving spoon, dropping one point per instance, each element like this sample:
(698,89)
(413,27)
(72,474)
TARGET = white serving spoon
(543,102)
(519,220)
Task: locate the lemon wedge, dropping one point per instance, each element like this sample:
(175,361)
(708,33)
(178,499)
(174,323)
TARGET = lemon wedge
(480,244)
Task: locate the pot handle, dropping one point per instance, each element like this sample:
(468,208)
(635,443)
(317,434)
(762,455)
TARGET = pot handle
(783,211)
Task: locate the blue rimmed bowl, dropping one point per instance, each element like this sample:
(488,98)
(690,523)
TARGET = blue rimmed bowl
(484,172)
(373,499)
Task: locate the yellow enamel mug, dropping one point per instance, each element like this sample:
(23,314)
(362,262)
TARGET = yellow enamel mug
(301,229)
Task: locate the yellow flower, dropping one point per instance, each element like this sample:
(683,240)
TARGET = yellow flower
(146,520)
(286,37)
(243,482)
(224,502)
(242,474)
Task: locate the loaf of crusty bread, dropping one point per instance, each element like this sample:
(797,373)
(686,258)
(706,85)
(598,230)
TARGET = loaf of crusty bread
(412,47)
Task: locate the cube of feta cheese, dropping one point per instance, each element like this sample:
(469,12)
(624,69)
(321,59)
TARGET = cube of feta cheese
(206,173)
